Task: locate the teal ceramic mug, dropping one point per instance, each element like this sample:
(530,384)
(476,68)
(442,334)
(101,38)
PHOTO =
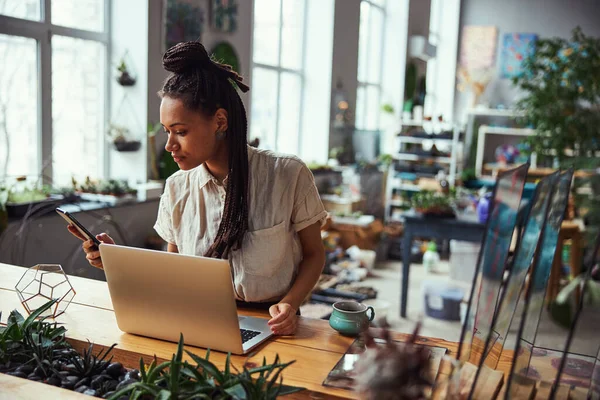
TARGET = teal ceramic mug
(351,318)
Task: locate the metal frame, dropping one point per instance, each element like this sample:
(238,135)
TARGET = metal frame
(279,69)
(42,31)
(366,83)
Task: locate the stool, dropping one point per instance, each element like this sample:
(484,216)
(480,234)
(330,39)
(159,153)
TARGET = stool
(569,230)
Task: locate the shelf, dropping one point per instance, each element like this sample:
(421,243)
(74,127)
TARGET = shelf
(408,187)
(500,130)
(411,139)
(416,157)
(411,123)
(493,112)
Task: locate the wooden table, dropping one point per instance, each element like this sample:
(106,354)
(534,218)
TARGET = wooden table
(315,347)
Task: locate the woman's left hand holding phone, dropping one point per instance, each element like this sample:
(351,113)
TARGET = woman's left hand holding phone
(92,254)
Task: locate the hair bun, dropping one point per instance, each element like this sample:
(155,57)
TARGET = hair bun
(185,57)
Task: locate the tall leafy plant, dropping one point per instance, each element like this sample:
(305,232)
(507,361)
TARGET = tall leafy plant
(561,82)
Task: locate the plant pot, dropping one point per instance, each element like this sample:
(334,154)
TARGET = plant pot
(127,146)
(125,79)
(18,210)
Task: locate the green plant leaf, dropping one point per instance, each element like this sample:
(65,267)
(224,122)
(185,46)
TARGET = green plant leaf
(37,313)
(565,293)
(207,366)
(237,392)
(163,395)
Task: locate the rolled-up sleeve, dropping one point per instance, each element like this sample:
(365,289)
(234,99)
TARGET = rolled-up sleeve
(308,208)
(164,220)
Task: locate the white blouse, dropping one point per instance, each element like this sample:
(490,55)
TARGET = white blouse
(282,200)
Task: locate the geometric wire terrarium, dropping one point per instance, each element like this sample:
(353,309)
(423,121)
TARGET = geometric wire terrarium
(42,283)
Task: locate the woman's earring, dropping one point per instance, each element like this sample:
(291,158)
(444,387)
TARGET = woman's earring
(220,135)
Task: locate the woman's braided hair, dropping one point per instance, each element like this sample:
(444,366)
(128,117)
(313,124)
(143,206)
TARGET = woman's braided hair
(206,85)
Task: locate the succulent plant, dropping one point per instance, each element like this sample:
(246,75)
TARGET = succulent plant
(393,370)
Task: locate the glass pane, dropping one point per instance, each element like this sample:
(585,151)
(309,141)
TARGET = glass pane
(264,107)
(363,41)
(266,31)
(372,113)
(79,14)
(18,106)
(78,92)
(26,9)
(375,45)
(292,34)
(289,113)
(361,99)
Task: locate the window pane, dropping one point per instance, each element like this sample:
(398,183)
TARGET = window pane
(361,99)
(375,46)
(26,9)
(80,14)
(363,41)
(78,92)
(264,107)
(266,31)
(372,113)
(292,34)
(18,106)
(289,113)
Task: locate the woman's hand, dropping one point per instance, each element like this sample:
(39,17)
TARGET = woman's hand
(92,254)
(284,321)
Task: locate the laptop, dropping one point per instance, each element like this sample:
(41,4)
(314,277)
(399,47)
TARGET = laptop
(160,295)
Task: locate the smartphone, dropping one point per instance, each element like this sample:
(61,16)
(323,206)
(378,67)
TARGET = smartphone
(73,221)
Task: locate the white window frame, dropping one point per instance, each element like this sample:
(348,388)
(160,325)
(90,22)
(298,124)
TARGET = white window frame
(366,84)
(279,70)
(42,31)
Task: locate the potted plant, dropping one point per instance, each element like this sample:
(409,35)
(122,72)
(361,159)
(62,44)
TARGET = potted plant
(111,191)
(562,102)
(34,349)
(121,138)
(124,78)
(433,204)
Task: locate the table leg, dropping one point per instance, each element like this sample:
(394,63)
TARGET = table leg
(576,259)
(406,255)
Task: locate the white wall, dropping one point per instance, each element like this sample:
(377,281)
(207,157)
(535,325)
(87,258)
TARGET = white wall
(547,18)
(129,33)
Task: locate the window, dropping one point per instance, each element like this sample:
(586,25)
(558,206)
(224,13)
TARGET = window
(370,66)
(278,73)
(53,88)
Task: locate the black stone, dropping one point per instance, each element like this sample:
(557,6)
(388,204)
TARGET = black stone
(54,381)
(81,389)
(114,369)
(34,377)
(39,371)
(108,394)
(97,381)
(26,369)
(133,374)
(90,392)
(125,383)
(17,374)
(67,385)
(83,382)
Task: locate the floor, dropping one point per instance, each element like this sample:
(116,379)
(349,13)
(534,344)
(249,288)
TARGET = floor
(386,279)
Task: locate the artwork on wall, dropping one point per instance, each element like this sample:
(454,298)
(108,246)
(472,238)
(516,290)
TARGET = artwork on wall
(223,17)
(515,48)
(478,47)
(183,22)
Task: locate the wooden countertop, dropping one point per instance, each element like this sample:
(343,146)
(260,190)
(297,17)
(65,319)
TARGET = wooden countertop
(315,347)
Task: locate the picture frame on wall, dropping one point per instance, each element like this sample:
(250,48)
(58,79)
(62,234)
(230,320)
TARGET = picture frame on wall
(223,15)
(183,21)
(515,48)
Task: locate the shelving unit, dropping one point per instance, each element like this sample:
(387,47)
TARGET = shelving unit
(494,130)
(400,185)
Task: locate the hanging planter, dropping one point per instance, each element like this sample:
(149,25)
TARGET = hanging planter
(125,76)
(121,139)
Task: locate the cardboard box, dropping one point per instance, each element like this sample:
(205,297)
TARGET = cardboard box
(364,237)
(336,204)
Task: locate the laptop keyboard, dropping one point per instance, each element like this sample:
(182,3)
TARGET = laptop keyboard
(248,334)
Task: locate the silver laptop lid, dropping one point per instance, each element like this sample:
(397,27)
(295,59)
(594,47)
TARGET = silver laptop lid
(160,294)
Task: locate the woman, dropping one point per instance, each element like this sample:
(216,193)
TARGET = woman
(259,209)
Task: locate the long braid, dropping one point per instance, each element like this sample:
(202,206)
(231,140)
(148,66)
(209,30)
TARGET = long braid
(206,85)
